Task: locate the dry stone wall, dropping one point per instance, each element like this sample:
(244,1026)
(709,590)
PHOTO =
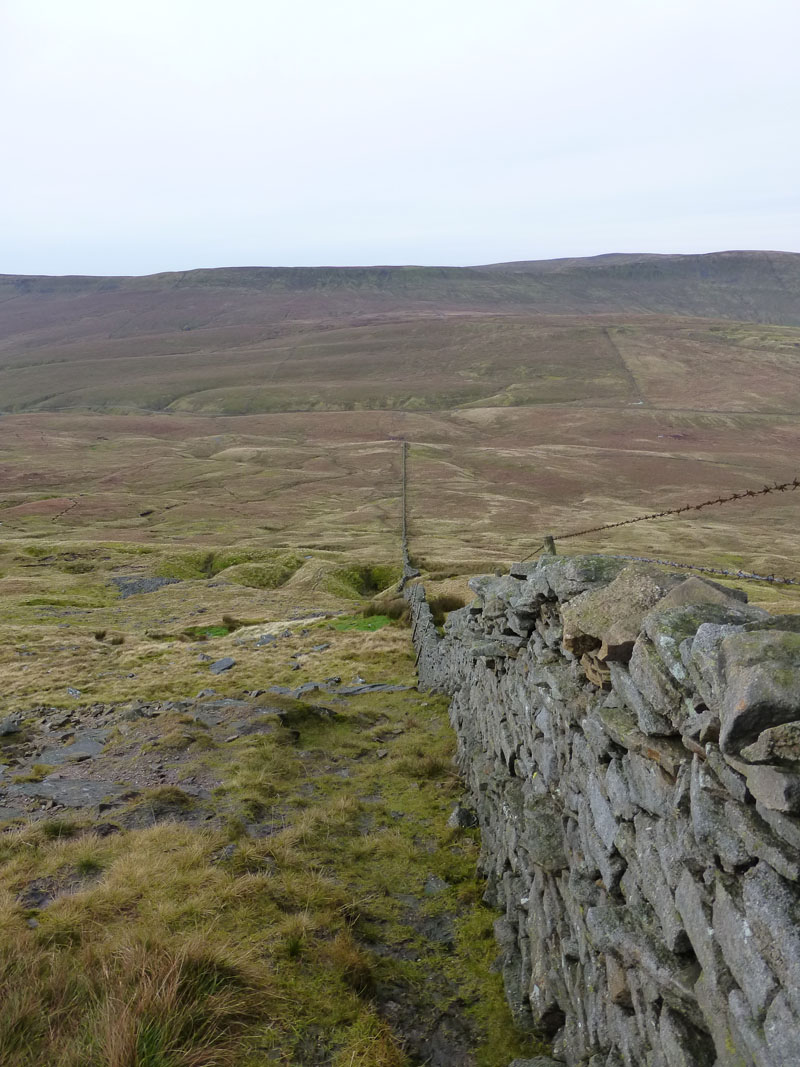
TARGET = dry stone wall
(630,742)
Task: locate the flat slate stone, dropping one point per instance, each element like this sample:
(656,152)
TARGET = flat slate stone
(223,664)
(72,793)
(85,745)
(134,585)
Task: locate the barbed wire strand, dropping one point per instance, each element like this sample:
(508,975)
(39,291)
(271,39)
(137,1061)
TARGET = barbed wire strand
(738,575)
(778,487)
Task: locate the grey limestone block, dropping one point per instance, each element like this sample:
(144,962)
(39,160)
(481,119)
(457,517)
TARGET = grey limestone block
(609,618)
(536,1061)
(614,1060)
(485,586)
(605,821)
(625,1035)
(747,1034)
(709,820)
(655,886)
(648,719)
(525,598)
(621,726)
(655,683)
(456,622)
(772,909)
(625,933)
(693,904)
(775,744)
(733,781)
(619,990)
(668,627)
(594,732)
(761,670)
(607,861)
(775,787)
(646,1001)
(782,1032)
(786,826)
(630,885)
(616,789)
(520,623)
(761,840)
(738,945)
(566,576)
(718,1023)
(649,786)
(542,833)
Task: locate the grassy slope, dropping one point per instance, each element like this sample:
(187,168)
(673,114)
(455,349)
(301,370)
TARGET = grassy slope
(285,919)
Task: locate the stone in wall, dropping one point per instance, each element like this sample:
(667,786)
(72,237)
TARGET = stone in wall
(630,741)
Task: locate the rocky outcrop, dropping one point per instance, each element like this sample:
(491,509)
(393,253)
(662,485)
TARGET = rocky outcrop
(630,742)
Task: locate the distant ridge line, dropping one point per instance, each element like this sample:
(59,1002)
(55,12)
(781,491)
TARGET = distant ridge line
(522,266)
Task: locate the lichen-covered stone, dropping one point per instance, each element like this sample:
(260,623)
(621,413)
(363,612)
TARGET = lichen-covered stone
(692,902)
(566,576)
(735,938)
(542,833)
(609,618)
(772,908)
(623,728)
(655,683)
(623,932)
(776,744)
(761,840)
(709,819)
(648,719)
(669,627)
(761,684)
(774,787)
(782,1031)
(703,660)
(696,590)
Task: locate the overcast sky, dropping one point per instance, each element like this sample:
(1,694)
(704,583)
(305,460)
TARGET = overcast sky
(147,135)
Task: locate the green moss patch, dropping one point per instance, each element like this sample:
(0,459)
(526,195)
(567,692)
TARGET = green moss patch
(361,580)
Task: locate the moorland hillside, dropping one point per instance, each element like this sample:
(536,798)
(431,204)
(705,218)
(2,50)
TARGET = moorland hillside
(612,330)
(266,404)
(231,822)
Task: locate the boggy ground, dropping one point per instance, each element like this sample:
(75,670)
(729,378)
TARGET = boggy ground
(202,869)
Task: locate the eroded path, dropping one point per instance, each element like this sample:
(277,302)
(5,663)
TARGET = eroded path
(247,879)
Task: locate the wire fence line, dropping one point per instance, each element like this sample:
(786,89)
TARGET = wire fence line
(777,487)
(409,571)
(549,542)
(751,576)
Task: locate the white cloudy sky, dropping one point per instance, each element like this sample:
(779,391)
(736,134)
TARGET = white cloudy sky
(145,135)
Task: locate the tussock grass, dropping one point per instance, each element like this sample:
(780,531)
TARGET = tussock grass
(442,603)
(285,901)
